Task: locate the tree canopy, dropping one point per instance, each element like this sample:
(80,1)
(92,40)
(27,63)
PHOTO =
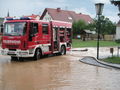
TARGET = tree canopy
(107,26)
(78,26)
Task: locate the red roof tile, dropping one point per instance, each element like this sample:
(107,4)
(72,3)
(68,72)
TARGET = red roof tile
(33,16)
(67,16)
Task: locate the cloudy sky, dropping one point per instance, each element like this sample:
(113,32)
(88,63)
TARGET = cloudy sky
(28,7)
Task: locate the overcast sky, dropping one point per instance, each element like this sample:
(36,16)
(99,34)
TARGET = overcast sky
(28,7)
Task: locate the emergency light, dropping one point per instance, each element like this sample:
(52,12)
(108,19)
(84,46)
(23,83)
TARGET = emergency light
(25,18)
(9,19)
(21,18)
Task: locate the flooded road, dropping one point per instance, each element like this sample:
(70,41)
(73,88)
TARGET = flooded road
(56,73)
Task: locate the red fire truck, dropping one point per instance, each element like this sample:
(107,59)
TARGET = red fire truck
(26,37)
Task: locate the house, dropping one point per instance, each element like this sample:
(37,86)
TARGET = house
(117,36)
(1,21)
(1,27)
(1,24)
(87,35)
(64,15)
(33,16)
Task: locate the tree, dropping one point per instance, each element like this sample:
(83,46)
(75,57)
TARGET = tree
(78,27)
(107,26)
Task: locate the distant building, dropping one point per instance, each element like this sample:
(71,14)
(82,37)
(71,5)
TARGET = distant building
(118,31)
(64,15)
(33,16)
(1,24)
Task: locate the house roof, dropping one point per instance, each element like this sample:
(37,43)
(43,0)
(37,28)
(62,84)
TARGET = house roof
(65,15)
(33,16)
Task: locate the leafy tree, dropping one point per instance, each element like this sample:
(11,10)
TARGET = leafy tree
(107,26)
(78,27)
(92,26)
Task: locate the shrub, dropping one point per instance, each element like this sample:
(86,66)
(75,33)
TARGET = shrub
(117,41)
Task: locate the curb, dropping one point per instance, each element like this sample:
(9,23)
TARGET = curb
(94,64)
(107,64)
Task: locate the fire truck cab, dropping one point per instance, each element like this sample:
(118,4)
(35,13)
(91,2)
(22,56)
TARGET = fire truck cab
(25,37)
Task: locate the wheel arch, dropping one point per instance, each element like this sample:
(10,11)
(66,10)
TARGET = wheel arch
(63,45)
(38,48)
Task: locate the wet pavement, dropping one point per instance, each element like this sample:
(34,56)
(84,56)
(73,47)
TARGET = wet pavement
(92,51)
(56,73)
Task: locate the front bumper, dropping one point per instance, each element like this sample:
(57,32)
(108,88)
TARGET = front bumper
(16,53)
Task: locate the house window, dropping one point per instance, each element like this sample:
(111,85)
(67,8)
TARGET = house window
(70,18)
(45,28)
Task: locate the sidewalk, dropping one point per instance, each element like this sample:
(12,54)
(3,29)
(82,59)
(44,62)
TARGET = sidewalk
(92,51)
(89,55)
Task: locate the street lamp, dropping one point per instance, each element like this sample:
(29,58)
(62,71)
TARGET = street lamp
(116,3)
(99,9)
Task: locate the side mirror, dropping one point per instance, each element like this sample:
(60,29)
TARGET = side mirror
(32,35)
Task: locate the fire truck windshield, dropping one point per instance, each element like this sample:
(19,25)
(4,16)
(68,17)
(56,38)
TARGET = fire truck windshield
(15,29)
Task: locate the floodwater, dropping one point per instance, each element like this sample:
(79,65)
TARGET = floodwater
(56,73)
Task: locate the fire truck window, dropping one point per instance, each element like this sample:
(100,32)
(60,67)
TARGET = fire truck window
(24,29)
(34,28)
(45,28)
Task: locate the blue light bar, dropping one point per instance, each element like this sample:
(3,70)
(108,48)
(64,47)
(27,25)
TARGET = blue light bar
(24,18)
(9,18)
(21,18)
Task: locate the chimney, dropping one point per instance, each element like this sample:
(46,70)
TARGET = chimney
(58,9)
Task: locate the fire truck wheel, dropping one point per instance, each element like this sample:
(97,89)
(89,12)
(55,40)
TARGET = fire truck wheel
(14,58)
(21,59)
(37,54)
(63,50)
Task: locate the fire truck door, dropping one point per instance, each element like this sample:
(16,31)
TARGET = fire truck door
(33,34)
(46,37)
(55,39)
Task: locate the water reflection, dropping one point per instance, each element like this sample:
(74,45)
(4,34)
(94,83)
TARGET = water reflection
(45,73)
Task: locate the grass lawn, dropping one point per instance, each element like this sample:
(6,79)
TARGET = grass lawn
(76,43)
(115,60)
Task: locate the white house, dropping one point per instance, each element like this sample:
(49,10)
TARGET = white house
(118,31)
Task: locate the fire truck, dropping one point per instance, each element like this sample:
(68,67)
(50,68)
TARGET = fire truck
(25,37)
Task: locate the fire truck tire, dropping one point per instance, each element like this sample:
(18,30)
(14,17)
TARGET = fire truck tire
(14,58)
(63,50)
(21,58)
(37,54)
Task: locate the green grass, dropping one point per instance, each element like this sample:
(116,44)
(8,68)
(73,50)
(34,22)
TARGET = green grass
(76,43)
(115,60)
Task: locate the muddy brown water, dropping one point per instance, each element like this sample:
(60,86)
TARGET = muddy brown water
(56,73)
